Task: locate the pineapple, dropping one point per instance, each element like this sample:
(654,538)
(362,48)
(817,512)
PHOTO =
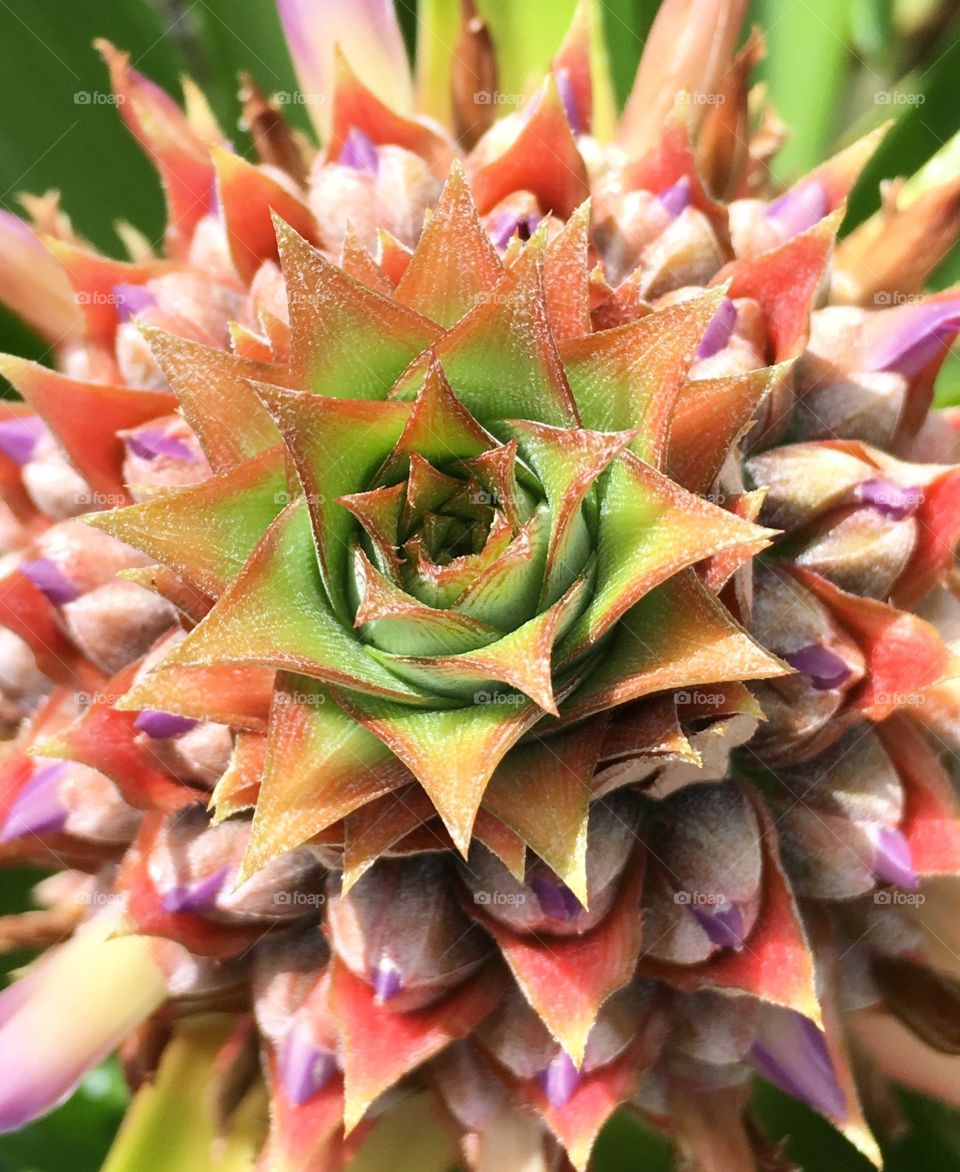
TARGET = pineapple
(478,618)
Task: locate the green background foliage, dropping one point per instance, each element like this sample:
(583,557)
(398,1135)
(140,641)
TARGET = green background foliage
(827,64)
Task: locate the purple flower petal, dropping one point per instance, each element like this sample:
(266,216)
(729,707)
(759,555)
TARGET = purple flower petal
(569,98)
(37,808)
(386,980)
(798,209)
(722,923)
(555,898)
(889,498)
(68,1011)
(676,198)
(359,152)
(200,896)
(892,861)
(791,1053)
(132,300)
(154,441)
(47,576)
(905,339)
(505,225)
(560,1080)
(824,667)
(161,726)
(304,1067)
(717,334)
(20,436)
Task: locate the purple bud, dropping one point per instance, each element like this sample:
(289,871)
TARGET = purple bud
(556,900)
(892,861)
(890,499)
(506,224)
(791,1053)
(723,923)
(676,199)
(199,896)
(37,808)
(154,441)
(560,1080)
(571,106)
(161,726)
(800,208)
(20,436)
(132,300)
(304,1067)
(359,152)
(717,334)
(47,576)
(386,980)
(824,667)
(908,337)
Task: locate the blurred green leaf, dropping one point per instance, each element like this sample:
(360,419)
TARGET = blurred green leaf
(808,51)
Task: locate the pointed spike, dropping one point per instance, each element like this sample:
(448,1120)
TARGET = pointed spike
(711,415)
(320,766)
(638,504)
(566,277)
(567,980)
(656,651)
(248,196)
(776,964)
(381,1046)
(543,158)
(346,340)
(214,393)
(337,445)
(542,791)
(452,753)
(630,377)
(181,157)
(501,357)
(85,417)
(454,264)
(689,48)
(785,282)
(355,106)
(252,623)
(207,531)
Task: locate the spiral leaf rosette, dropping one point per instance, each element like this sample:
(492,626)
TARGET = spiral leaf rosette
(482,544)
